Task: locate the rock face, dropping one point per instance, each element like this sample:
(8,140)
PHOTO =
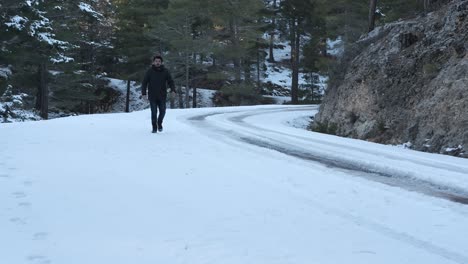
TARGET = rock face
(408,83)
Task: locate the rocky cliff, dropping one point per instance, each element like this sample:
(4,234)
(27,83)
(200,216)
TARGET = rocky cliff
(408,83)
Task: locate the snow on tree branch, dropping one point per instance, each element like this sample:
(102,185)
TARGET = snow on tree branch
(17,22)
(88,9)
(61,59)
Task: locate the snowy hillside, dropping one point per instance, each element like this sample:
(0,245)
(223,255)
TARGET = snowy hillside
(280,75)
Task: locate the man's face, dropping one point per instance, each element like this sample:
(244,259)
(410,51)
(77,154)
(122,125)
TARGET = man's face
(157,62)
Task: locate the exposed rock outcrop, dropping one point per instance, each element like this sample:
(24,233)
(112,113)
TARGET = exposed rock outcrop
(409,83)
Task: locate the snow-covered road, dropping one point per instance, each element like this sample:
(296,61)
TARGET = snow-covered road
(429,174)
(222,185)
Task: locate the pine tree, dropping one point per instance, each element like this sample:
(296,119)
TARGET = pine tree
(300,17)
(238,28)
(271,11)
(184,28)
(79,85)
(30,44)
(133,43)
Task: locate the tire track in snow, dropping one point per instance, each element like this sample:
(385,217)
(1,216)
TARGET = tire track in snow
(397,178)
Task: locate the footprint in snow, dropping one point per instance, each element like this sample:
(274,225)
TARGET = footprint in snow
(19,195)
(38,259)
(18,220)
(27,183)
(24,204)
(40,236)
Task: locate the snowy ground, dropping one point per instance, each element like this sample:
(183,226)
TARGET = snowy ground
(279,74)
(102,189)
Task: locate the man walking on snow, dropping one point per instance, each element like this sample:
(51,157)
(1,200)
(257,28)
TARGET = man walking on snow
(155,82)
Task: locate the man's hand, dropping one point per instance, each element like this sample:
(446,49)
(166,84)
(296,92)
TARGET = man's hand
(144,97)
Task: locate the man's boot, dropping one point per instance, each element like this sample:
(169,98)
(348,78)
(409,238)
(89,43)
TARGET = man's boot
(155,127)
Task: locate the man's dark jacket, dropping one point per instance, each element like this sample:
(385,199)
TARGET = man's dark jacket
(155,80)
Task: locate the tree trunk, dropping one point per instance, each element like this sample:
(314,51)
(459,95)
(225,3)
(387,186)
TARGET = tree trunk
(372,8)
(172,102)
(187,81)
(295,41)
(194,90)
(127,101)
(237,69)
(346,34)
(258,65)
(179,95)
(247,71)
(194,97)
(44,91)
(37,105)
(187,52)
(235,42)
(271,57)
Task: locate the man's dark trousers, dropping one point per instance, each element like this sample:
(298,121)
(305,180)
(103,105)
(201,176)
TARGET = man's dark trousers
(156,104)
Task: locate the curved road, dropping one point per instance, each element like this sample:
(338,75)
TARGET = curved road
(408,173)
